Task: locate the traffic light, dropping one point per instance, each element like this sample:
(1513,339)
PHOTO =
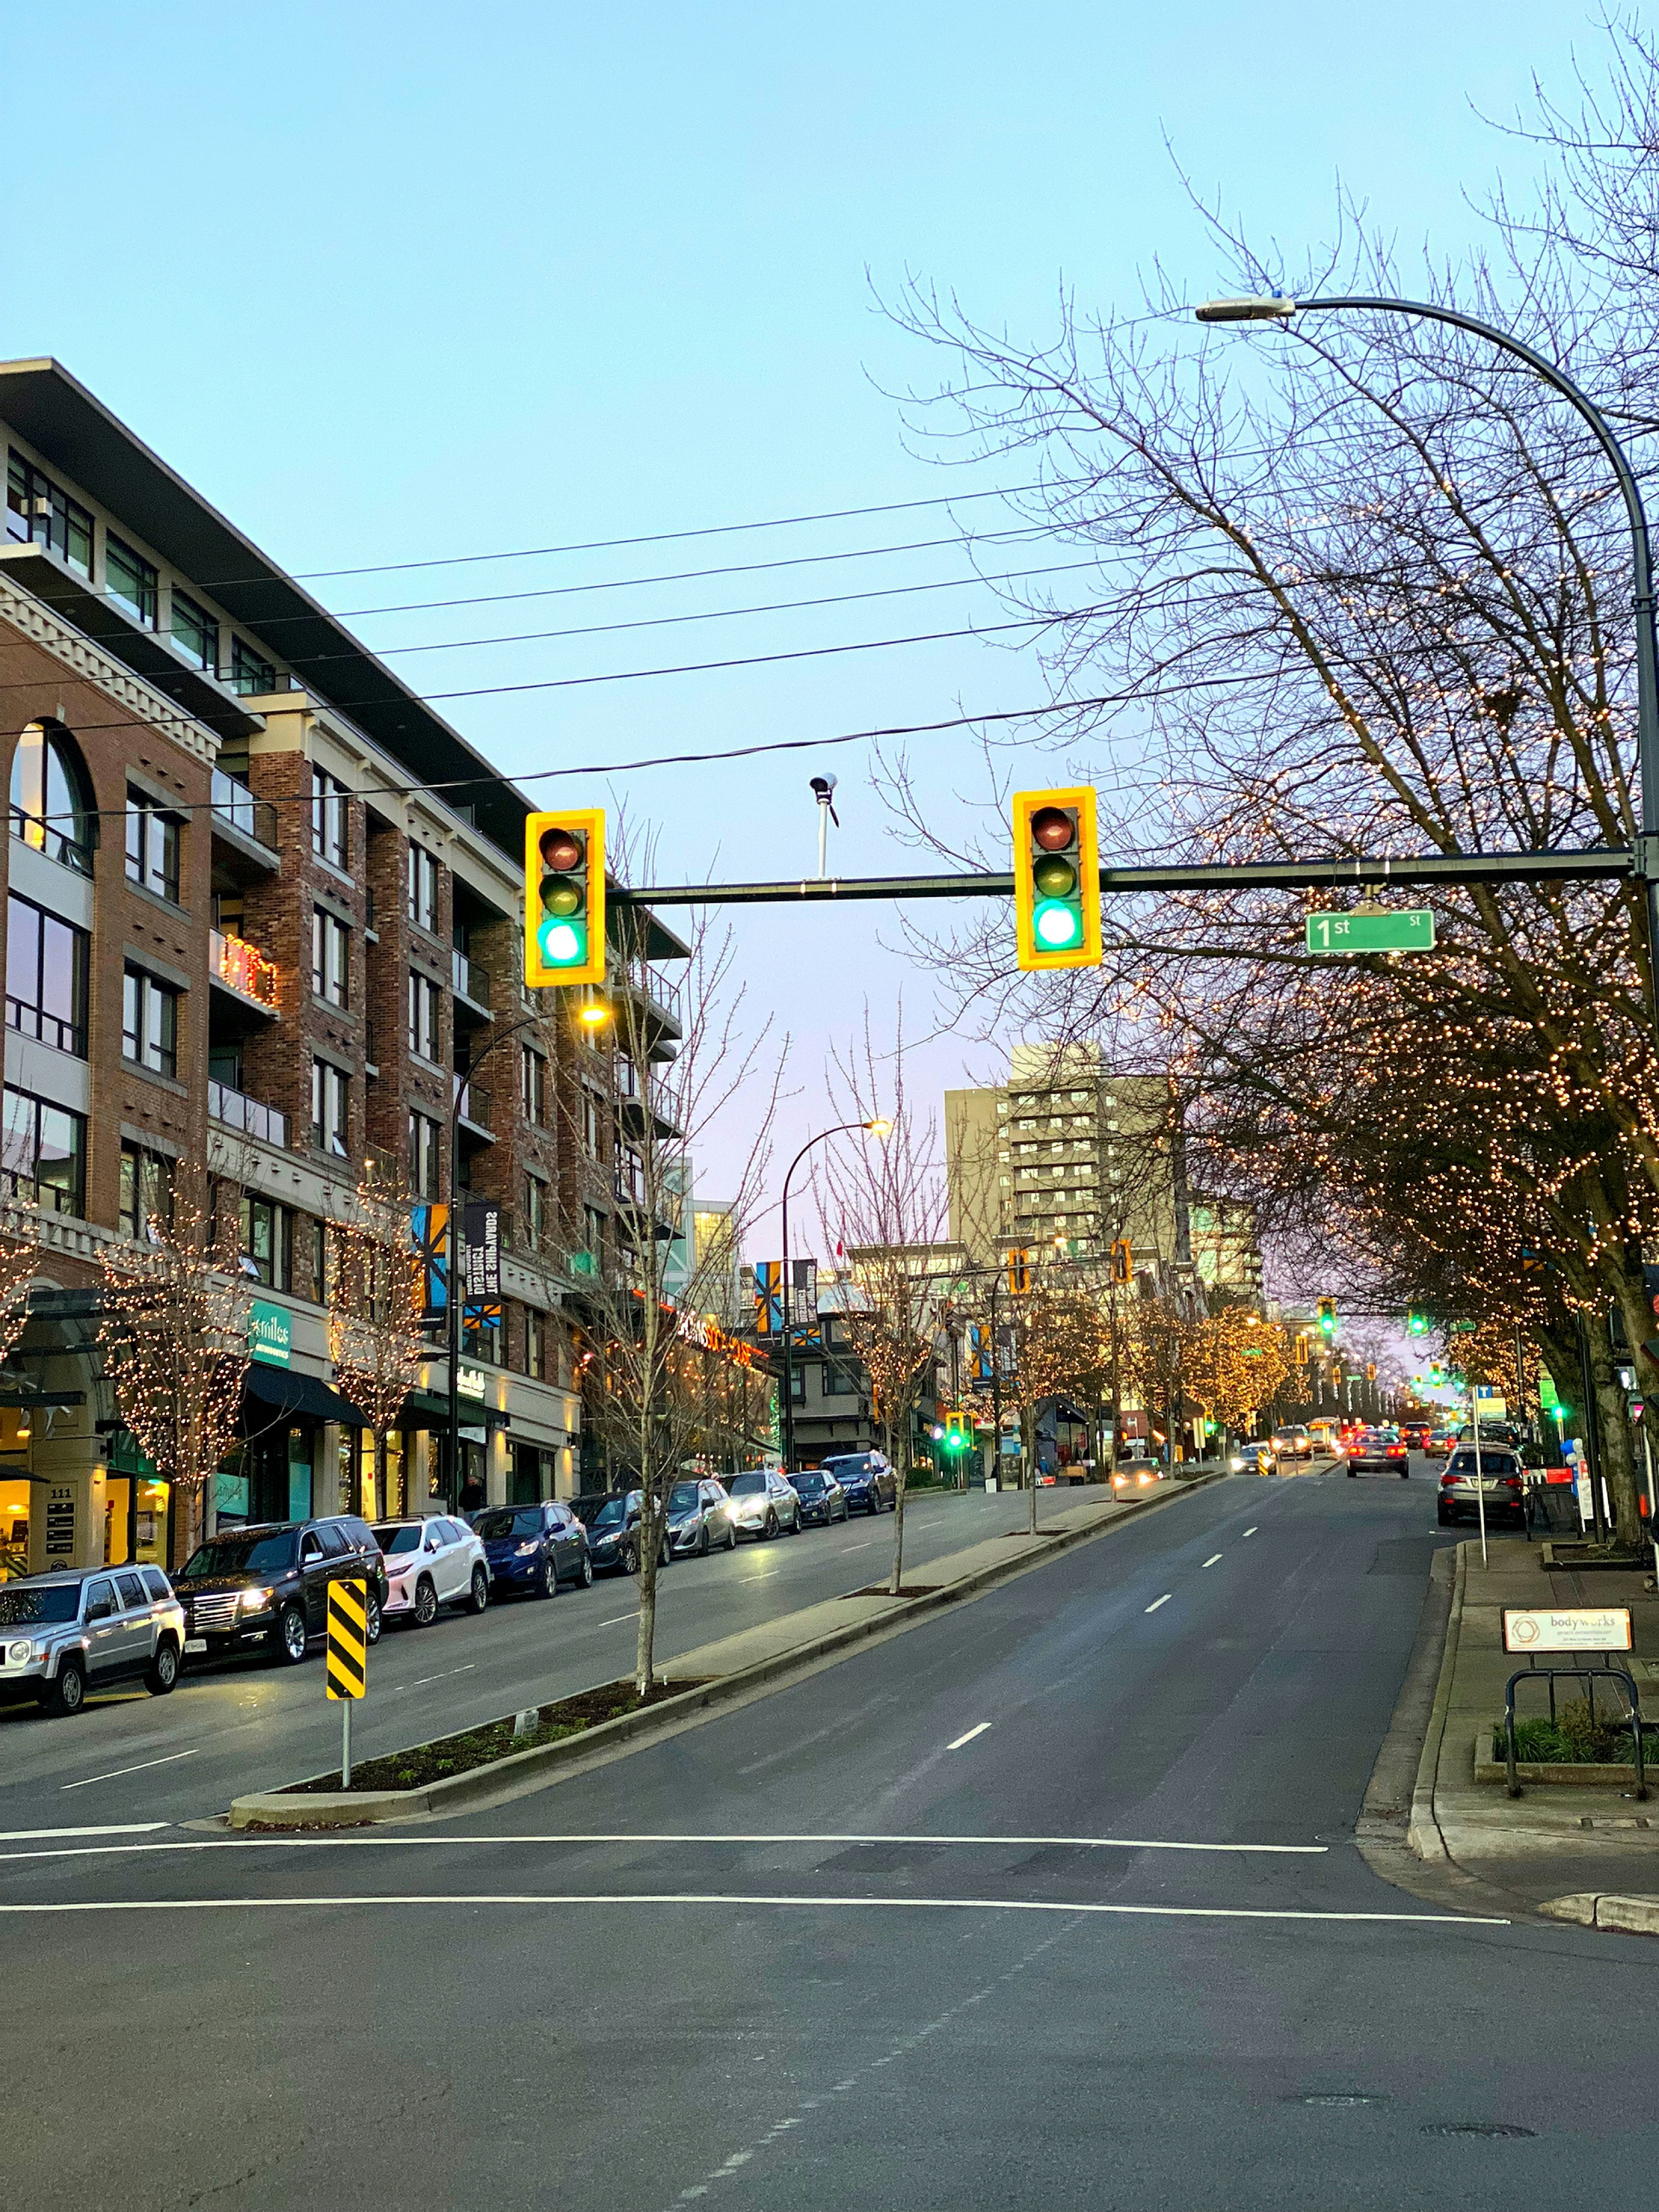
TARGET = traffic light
(1056,879)
(957,1433)
(564,896)
(1123,1261)
(1019,1271)
(1299,1349)
(1328,1317)
(1416,1323)
(1370,1370)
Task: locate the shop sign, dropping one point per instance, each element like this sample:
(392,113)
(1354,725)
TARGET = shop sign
(60,1523)
(472,1382)
(270,1332)
(1584,1628)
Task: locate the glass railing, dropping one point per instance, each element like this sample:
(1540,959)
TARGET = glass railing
(470,980)
(253,1118)
(234,802)
(475,1106)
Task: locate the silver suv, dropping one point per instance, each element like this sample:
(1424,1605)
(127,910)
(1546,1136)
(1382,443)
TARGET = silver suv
(63,1634)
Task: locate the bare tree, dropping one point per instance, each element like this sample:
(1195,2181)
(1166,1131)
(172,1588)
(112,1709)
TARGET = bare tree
(373,1297)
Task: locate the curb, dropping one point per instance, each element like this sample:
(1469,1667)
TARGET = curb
(1630,1916)
(286,1809)
(1423,1834)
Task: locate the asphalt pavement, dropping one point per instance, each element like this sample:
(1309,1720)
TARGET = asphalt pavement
(246,1725)
(1052,1900)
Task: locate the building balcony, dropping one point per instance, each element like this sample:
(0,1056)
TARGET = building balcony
(472,984)
(236,1110)
(244,987)
(246,830)
(476,1116)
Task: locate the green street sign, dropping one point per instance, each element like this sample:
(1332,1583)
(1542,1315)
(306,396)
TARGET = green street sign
(1406,929)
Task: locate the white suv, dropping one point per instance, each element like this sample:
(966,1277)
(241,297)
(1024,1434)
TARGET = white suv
(429,1563)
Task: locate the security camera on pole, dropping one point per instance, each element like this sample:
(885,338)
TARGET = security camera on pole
(824,790)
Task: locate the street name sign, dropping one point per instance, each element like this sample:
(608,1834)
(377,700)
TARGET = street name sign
(1406,929)
(1588,1628)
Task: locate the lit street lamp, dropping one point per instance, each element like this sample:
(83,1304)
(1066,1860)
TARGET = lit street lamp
(876,1128)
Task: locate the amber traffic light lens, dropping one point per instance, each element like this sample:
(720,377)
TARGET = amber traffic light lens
(1054,877)
(1053,829)
(561,849)
(560,896)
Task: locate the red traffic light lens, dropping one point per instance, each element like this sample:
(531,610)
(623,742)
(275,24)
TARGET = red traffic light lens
(1053,829)
(561,849)
(1054,877)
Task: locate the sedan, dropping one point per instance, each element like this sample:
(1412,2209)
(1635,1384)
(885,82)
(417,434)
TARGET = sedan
(534,1547)
(1293,1443)
(1378,1448)
(762,1504)
(430,1563)
(700,1518)
(1500,1481)
(613,1535)
(822,1497)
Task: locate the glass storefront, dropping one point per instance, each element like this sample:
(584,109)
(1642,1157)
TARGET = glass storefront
(135,1527)
(14,1525)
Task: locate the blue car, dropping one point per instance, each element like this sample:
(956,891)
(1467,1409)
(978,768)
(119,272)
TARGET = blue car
(866,1480)
(534,1548)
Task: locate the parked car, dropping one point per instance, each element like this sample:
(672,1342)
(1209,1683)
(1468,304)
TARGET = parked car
(763,1503)
(699,1517)
(1293,1442)
(432,1562)
(867,1479)
(1380,1449)
(822,1497)
(613,1534)
(80,1628)
(1501,1479)
(265,1586)
(534,1547)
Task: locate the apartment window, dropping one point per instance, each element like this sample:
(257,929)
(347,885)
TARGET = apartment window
(532,1086)
(195,632)
(250,672)
(131,581)
(590,1126)
(268,1241)
(330,957)
(149,1022)
(594,1229)
(331,1099)
(535,1212)
(535,1344)
(422,887)
(50,809)
(310,1258)
(46,978)
(422,1016)
(422,1156)
(481,1334)
(328,817)
(45,1160)
(146,1191)
(153,839)
(39,514)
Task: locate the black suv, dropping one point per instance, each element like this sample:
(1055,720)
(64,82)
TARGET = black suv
(265,1588)
(867,1479)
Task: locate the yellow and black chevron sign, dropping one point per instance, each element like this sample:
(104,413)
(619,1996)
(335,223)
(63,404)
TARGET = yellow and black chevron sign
(348,1639)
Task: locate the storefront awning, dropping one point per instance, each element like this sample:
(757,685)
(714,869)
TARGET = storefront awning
(429,1409)
(284,1390)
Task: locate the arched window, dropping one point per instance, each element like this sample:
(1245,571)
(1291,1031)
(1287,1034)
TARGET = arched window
(48,806)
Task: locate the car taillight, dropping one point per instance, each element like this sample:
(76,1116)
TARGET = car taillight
(1447,1480)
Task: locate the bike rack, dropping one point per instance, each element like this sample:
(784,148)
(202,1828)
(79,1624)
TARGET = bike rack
(1590,1676)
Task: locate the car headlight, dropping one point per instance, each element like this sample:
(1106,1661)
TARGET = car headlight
(20,1652)
(254,1601)
(523,1551)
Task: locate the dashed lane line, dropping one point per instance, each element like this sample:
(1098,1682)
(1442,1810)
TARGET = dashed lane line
(1157,1601)
(969,1737)
(1213,1560)
(1251,1532)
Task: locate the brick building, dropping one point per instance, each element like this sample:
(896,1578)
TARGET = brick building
(263,913)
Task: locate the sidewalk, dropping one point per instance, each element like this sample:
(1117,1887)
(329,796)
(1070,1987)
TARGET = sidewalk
(1555,1837)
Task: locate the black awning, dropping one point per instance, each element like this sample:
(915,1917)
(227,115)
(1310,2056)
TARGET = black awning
(429,1409)
(285,1390)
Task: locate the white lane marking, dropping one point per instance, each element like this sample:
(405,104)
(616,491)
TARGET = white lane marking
(1213,1560)
(115,1773)
(748,1901)
(110,1828)
(969,1738)
(438,1843)
(1251,1532)
(617,1619)
(864,1547)
(1157,1601)
(448,1676)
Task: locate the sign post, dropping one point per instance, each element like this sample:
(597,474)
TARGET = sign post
(347,1671)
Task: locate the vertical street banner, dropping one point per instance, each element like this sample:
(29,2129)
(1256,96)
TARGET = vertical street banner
(768,1297)
(429,1226)
(803,1289)
(980,1365)
(482,1227)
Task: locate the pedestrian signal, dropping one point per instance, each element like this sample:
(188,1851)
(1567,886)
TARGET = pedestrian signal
(1019,1272)
(1123,1262)
(564,896)
(1056,879)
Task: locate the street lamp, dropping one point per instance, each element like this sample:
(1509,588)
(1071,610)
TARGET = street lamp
(876,1128)
(1277,306)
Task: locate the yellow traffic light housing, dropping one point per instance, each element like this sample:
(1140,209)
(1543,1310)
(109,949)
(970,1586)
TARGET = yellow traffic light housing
(1328,1317)
(1123,1261)
(1056,879)
(564,896)
(1019,1270)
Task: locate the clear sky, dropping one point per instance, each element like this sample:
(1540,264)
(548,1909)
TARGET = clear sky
(392,283)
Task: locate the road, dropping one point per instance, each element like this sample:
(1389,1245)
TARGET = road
(247,1725)
(1052,1901)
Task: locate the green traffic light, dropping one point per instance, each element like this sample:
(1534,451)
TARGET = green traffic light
(1056,926)
(563,943)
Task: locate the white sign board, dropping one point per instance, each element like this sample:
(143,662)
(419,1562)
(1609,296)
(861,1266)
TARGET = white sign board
(1589,1628)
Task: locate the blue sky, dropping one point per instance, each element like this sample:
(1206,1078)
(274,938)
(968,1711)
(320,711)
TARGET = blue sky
(398,282)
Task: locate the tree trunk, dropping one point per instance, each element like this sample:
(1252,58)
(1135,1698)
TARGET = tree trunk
(1612,1435)
(901,1473)
(1027,1425)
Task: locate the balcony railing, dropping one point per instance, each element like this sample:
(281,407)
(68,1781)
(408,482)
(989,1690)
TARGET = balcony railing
(475,1107)
(470,980)
(250,1115)
(243,968)
(234,802)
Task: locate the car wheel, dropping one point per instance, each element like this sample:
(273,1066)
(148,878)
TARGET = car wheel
(665,1555)
(288,1641)
(373,1620)
(1405,1474)
(771,1528)
(586,1577)
(1443,1517)
(65,1695)
(546,1583)
(731,1535)
(163,1672)
(630,1561)
(1351,1474)
(480,1593)
(794,1523)
(425,1603)
(702,1542)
